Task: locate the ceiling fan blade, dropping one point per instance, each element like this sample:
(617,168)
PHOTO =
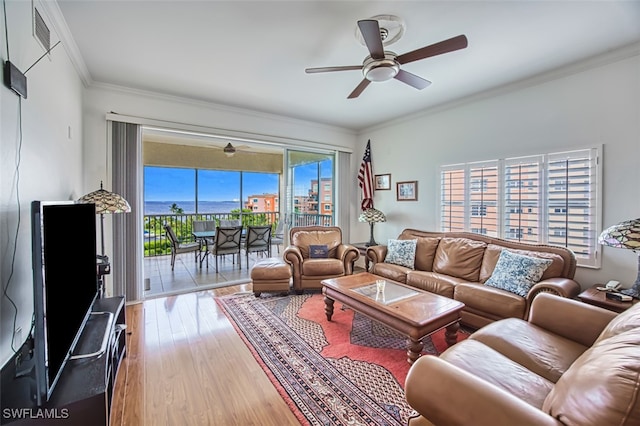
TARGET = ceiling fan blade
(330,69)
(445,46)
(356,92)
(412,80)
(371,33)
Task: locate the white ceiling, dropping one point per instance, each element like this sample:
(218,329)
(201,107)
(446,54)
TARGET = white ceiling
(252,54)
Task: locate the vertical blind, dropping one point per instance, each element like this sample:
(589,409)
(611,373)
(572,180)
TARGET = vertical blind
(548,199)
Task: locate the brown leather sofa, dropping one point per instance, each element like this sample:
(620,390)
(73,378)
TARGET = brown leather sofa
(569,364)
(308,272)
(457,265)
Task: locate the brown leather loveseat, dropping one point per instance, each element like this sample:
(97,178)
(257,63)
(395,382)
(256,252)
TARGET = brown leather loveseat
(570,364)
(332,259)
(458,265)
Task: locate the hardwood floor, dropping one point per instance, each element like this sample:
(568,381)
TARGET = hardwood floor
(186,365)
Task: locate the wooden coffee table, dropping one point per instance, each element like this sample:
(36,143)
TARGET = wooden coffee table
(408,310)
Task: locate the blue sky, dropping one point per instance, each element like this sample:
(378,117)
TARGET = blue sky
(174,184)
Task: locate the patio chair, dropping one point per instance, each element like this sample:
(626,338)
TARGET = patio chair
(227,241)
(203,226)
(278,235)
(178,247)
(258,240)
(208,227)
(229,222)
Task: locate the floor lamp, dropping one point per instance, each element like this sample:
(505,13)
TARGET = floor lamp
(372,216)
(625,235)
(106,203)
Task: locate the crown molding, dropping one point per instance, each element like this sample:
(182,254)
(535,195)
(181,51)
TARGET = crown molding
(221,107)
(59,24)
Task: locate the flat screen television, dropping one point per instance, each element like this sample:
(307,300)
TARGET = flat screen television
(65,284)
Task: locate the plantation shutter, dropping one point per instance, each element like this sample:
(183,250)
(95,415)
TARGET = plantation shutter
(523,199)
(452,196)
(571,202)
(483,198)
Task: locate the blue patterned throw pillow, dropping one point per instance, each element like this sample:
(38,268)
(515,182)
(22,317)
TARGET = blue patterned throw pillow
(517,273)
(401,252)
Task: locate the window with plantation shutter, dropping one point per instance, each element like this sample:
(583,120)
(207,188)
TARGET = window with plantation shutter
(572,203)
(523,197)
(543,199)
(483,198)
(469,198)
(452,197)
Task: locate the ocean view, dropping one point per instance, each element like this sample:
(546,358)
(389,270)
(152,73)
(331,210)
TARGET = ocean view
(164,207)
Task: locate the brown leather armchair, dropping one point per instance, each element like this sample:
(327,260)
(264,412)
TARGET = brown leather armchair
(569,364)
(310,265)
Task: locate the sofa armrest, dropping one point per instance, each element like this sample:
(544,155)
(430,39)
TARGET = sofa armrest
(446,394)
(293,256)
(563,287)
(376,254)
(569,318)
(348,254)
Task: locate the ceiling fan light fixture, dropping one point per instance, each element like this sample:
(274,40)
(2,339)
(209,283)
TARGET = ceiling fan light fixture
(382,73)
(381,69)
(229,150)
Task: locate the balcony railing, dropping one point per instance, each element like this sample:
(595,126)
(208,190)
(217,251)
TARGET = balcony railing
(157,244)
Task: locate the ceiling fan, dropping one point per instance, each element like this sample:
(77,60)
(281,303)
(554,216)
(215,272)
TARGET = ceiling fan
(230,150)
(383,65)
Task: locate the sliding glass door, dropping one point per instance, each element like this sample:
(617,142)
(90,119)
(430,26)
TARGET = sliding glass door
(310,190)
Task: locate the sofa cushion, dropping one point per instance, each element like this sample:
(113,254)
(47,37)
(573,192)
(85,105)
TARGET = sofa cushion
(480,298)
(535,348)
(459,257)
(601,387)
(433,282)
(401,252)
(389,270)
(481,360)
(517,273)
(425,252)
(319,267)
(492,254)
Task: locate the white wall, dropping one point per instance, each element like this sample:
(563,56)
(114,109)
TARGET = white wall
(600,105)
(50,162)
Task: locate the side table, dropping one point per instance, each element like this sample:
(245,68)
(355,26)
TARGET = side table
(362,248)
(595,297)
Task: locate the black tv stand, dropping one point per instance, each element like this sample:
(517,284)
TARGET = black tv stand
(84,390)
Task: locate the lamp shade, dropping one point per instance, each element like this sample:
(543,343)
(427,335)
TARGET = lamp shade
(623,235)
(372,216)
(106,202)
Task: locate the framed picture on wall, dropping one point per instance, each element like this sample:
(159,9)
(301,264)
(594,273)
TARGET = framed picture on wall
(382,182)
(407,191)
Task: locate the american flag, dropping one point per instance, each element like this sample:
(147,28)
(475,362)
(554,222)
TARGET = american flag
(365,178)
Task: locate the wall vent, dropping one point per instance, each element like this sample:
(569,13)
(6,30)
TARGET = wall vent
(41,31)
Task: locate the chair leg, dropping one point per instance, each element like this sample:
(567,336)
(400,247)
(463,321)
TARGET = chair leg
(173,259)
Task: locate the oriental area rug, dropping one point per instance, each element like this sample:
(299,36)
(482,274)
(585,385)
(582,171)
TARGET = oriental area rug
(350,370)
